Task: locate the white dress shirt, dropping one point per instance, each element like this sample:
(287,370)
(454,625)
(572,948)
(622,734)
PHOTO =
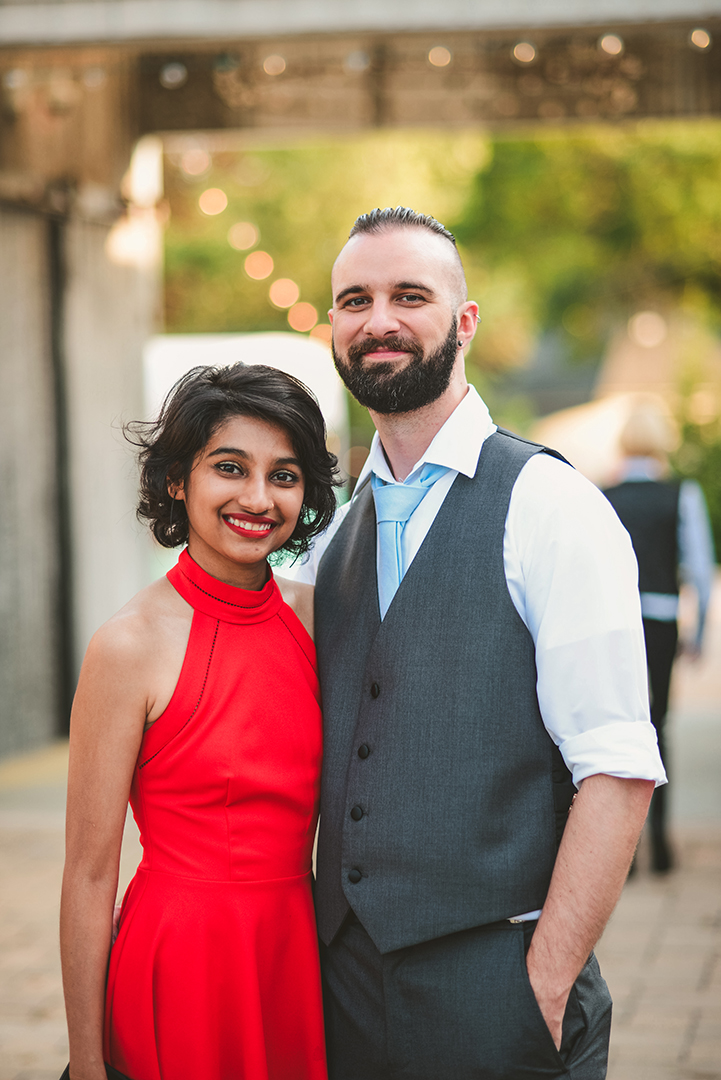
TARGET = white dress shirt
(572,576)
(695,545)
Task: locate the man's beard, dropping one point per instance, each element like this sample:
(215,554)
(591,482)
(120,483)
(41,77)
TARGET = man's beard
(382,388)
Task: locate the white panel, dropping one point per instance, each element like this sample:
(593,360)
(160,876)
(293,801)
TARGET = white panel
(28,530)
(110,312)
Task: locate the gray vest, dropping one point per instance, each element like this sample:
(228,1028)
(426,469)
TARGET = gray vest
(443,797)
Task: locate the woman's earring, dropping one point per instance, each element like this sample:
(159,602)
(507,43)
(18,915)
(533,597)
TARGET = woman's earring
(172,505)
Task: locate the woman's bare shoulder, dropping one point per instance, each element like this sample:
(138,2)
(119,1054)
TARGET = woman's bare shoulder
(135,631)
(299,597)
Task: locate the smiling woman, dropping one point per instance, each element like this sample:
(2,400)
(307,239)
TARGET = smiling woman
(201,401)
(243,498)
(199,701)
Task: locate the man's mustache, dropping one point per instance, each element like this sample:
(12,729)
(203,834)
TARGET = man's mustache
(392,344)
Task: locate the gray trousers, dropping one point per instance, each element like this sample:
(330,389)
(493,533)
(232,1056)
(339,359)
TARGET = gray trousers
(460,1006)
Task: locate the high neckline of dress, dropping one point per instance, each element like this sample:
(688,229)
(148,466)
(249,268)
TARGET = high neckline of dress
(229,603)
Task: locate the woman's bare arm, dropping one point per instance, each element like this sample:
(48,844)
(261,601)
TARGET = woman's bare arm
(127,678)
(105,733)
(299,597)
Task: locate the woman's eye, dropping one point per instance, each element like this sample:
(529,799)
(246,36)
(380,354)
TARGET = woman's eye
(230,467)
(286,477)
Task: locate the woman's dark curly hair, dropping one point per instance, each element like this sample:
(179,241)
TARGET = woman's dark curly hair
(196,406)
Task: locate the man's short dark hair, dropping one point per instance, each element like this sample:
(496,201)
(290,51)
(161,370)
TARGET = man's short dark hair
(203,399)
(401,217)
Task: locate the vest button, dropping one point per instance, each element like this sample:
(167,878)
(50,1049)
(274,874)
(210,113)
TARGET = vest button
(354,876)
(357,813)
(363,751)
(375,690)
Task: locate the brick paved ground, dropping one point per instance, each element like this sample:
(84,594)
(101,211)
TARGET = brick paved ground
(661,953)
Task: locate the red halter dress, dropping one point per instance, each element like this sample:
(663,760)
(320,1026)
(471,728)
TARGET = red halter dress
(214,974)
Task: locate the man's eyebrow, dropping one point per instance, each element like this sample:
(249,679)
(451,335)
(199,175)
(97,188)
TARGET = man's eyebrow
(415,286)
(351,289)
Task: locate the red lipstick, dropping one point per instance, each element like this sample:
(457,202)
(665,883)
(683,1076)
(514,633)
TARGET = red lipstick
(255,528)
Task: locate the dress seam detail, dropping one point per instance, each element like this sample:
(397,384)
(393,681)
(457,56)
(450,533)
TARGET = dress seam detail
(197,704)
(219,599)
(295,639)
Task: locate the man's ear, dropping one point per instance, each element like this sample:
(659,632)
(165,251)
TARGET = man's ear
(467,320)
(330,316)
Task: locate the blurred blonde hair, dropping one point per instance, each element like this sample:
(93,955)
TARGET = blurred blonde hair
(649,432)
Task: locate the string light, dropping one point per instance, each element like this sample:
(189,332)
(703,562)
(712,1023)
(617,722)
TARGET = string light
(611,44)
(302,317)
(258,265)
(284,292)
(213,201)
(700,39)
(243,235)
(439,56)
(274,64)
(524,52)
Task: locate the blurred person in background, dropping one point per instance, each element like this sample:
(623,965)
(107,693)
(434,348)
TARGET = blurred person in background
(670,531)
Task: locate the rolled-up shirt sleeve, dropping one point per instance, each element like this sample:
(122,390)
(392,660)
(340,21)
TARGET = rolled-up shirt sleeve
(573,579)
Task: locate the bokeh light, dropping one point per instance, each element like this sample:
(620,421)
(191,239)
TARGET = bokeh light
(524,52)
(94,77)
(15,79)
(284,292)
(302,317)
(354,460)
(274,64)
(700,39)
(173,76)
(611,44)
(357,61)
(439,56)
(322,332)
(647,329)
(333,441)
(703,407)
(213,201)
(258,265)
(195,162)
(243,235)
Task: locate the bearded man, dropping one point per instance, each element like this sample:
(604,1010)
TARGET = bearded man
(481,656)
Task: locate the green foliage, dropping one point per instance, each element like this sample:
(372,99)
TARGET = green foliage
(593,224)
(699,458)
(569,231)
(574,229)
(303,199)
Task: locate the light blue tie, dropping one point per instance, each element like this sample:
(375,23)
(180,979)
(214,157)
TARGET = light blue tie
(394,505)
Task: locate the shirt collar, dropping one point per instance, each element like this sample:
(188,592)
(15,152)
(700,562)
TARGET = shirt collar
(456,446)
